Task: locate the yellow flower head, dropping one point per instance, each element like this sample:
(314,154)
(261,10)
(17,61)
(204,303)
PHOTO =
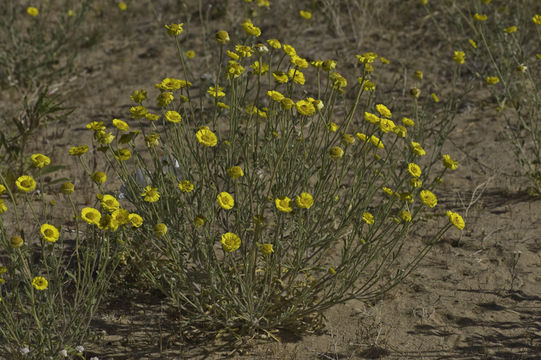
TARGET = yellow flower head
(136,220)
(40,160)
(280,77)
(415,92)
(297,76)
(459,57)
(304,200)
(3,207)
(109,203)
(284,204)
(428,198)
(234,69)
(405,215)
(122,6)
(510,29)
(287,103)
(222,37)
(230,242)
(16,241)
(91,215)
(417,149)
(199,221)
(336,152)
(78,150)
(414,170)
(185,186)
(386,125)
(25,183)
(190,54)
(49,232)
(120,216)
(449,163)
(32,11)
(2,189)
(305,14)
(418,74)
(122,154)
(235,172)
(99,177)
(250,29)
(150,194)
(289,50)
(216,91)
(138,96)
(371,118)
(537,19)
(138,112)
(376,142)
(164,99)
(408,122)
(121,125)
(40,283)
(174,29)
(206,137)
(368,218)
(480,17)
(456,220)
(305,107)
(275,95)
(225,200)
(348,139)
(492,80)
(266,249)
(160,229)
(472,43)
(173,116)
(274,43)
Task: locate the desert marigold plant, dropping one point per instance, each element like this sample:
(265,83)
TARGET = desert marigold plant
(258,187)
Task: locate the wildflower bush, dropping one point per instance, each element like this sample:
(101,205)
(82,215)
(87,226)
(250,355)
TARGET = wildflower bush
(501,43)
(275,192)
(53,275)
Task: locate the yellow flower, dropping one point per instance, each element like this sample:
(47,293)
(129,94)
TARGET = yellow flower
(297,76)
(289,50)
(414,170)
(456,220)
(185,186)
(415,92)
(109,203)
(78,150)
(416,182)
(332,126)
(120,216)
(435,97)
(172,84)
(49,232)
(174,29)
(361,136)
(16,241)
(428,198)
(348,139)
(199,221)
(459,57)
(472,43)
(368,218)
(190,54)
(99,177)
(150,194)
(287,103)
(138,112)
(480,17)
(234,69)
(492,80)
(537,19)
(3,207)
(160,229)
(222,37)
(122,6)
(216,91)
(136,220)
(233,55)
(284,204)
(121,125)
(405,215)
(423,2)
(418,74)
(304,200)
(243,51)
(2,189)
(40,283)
(336,152)
(230,242)
(510,29)
(138,96)
(32,11)
(25,183)
(338,81)
(400,131)
(91,215)
(305,14)
(408,122)
(299,62)
(280,77)
(275,95)
(305,107)
(235,172)
(274,43)
(266,249)
(206,137)
(386,125)
(225,200)
(417,149)
(251,29)
(164,99)
(152,139)
(123,154)
(107,222)
(173,116)
(371,118)
(40,160)
(328,65)
(449,163)
(376,142)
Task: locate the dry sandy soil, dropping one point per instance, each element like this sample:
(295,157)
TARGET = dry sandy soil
(466,300)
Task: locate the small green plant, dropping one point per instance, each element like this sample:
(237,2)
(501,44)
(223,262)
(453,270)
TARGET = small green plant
(260,210)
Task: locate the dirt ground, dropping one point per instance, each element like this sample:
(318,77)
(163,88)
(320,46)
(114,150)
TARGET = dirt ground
(476,295)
